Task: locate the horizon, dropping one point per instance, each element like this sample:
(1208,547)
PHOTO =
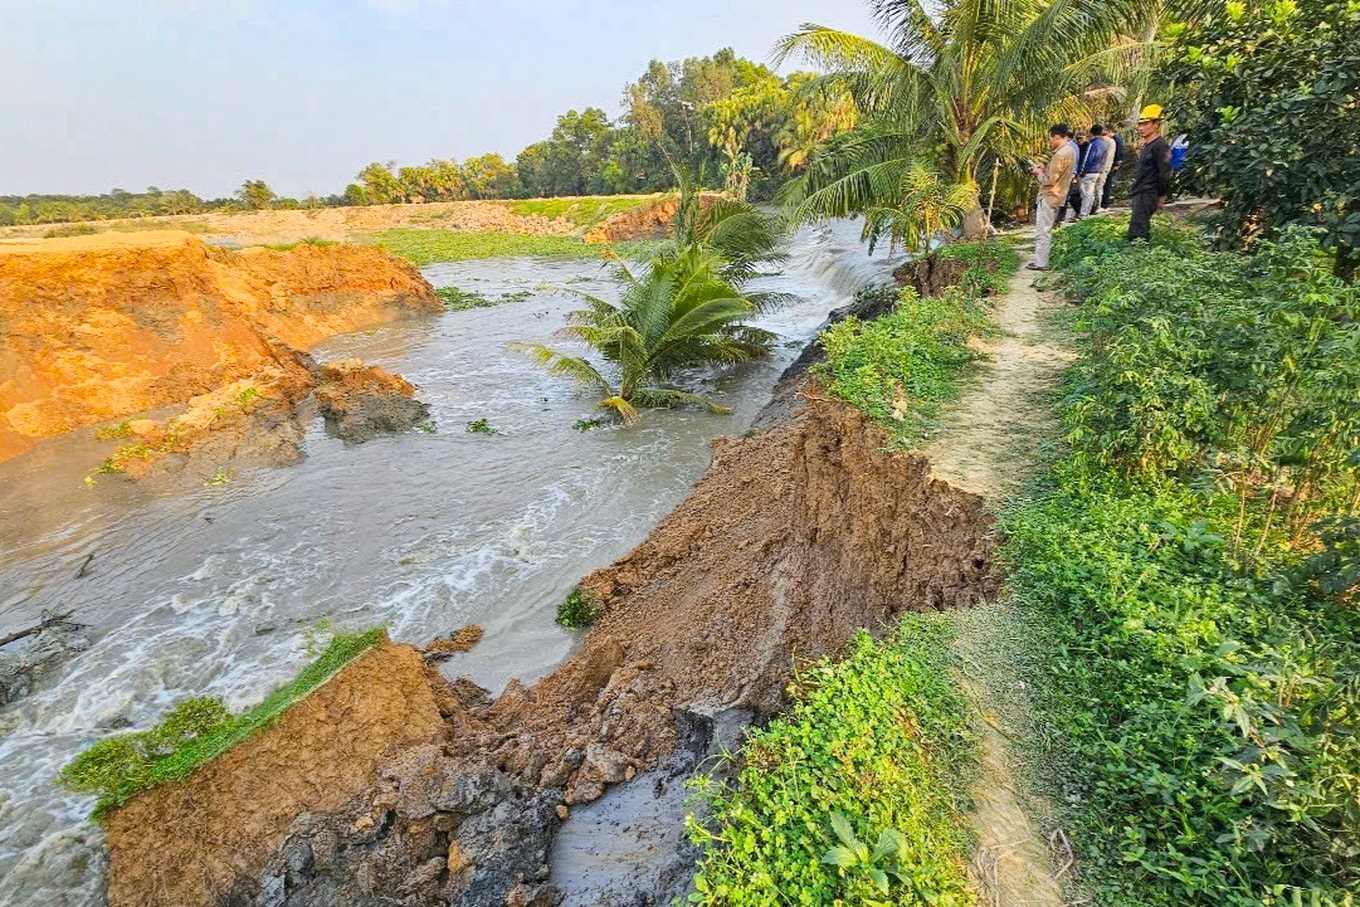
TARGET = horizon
(205,96)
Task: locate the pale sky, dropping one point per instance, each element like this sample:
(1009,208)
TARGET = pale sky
(202,94)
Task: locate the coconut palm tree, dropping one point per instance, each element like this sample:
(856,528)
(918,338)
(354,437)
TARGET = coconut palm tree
(965,87)
(676,312)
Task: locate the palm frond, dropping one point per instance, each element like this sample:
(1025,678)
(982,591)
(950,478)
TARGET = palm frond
(557,363)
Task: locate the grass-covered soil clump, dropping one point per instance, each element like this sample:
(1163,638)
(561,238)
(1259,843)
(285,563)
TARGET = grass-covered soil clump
(1189,566)
(903,368)
(195,731)
(855,795)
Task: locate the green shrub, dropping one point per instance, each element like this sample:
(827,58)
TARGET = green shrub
(482,427)
(195,731)
(859,787)
(1200,693)
(901,368)
(579,609)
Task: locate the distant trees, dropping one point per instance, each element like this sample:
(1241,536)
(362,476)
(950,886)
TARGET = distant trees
(256,195)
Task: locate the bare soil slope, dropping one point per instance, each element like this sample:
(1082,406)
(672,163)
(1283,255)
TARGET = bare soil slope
(98,327)
(184,843)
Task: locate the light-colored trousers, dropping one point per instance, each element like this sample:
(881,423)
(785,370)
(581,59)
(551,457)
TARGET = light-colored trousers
(1092,185)
(1043,232)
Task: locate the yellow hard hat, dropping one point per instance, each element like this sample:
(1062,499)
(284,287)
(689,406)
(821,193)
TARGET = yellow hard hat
(1150,112)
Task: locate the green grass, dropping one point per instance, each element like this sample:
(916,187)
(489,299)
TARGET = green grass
(860,787)
(307,241)
(426,247)
(1195,659)
(903,368)
(196,731)
(585,212)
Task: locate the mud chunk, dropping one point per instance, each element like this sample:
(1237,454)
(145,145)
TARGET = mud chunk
(360,402)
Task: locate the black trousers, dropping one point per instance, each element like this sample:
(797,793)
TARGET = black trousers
(1109,188)
(1144,204)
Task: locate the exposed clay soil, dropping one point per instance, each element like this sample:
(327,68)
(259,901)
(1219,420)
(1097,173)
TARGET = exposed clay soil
(186,843)
(794,538)
(100,327)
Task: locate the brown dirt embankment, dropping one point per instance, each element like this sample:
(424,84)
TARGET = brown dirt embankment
(185,843)
(794,538)
(99,327)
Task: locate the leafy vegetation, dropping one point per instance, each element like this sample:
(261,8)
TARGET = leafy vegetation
(425,247)
(458,300)
(854,796)
(1267,91)
(579,609)
(1189,566)
(900,369)
(196,730)
(675,313)
(482,427)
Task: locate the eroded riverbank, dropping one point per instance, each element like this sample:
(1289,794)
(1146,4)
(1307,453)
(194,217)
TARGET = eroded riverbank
(216,590)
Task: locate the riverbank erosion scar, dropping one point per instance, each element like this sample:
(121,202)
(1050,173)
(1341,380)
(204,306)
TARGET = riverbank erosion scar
(187,843)
(94,328)
(795,537)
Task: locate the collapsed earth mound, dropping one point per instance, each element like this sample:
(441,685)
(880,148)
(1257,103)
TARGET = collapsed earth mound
(793,539)
(98,327)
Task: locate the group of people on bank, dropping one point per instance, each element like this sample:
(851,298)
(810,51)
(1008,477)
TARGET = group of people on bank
(1080,175)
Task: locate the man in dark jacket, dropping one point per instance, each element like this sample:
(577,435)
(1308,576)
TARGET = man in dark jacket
(1152,178)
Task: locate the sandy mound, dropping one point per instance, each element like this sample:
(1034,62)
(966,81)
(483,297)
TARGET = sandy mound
(362,401)
(97,327)
(185,843)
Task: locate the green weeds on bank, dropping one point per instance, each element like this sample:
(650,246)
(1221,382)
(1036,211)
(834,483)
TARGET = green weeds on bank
(579,609)
(195,731)
(855,795)
(426,247)
(586,211)
(901,369)
(1189,567)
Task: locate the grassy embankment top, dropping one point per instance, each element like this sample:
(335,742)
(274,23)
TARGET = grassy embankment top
(196,731)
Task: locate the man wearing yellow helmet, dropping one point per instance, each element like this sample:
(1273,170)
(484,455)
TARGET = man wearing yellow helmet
(1152,177)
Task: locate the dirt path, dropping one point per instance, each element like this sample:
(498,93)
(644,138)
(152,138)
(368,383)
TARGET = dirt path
(988,442)
(987,446)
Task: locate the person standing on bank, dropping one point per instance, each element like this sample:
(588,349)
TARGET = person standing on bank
(1092,170)
(1152,177)
(1054,181)
(1116,158)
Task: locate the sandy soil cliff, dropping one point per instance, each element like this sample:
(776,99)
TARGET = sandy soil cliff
(97,327)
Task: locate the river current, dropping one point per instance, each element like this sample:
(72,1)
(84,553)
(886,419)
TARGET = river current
(222,590)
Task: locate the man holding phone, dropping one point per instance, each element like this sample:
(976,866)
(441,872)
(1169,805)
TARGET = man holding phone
(1054,182)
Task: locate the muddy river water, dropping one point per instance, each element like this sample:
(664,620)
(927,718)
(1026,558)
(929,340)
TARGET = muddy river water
(222,590)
